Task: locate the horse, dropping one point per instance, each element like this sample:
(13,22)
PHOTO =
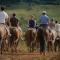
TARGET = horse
(44,39)
(30,37)
(41,40)
(3,38)
(50,41)
(15,35)
(57,43)
(54,37)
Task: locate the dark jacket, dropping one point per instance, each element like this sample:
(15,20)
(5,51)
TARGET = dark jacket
(32,23)
(14,21)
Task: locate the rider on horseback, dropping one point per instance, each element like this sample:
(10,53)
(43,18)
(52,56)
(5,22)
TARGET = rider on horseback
(14,22)
(44,20)
(32,22)
(4,18)
(57,28)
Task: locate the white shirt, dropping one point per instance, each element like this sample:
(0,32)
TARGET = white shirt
(57,27)
(3,16)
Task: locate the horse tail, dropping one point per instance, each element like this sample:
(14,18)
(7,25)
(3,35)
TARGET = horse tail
(1,42)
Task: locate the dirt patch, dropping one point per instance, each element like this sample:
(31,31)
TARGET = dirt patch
(28,56)
(56,57)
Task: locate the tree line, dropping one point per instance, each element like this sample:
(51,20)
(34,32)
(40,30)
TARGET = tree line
(8,2)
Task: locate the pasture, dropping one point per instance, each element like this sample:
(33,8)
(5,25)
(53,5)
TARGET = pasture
(23,14)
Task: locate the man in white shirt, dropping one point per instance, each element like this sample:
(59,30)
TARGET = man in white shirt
(57,27)
(3,18)
(3,15)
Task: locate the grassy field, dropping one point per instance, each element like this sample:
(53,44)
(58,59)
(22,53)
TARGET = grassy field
(23,13)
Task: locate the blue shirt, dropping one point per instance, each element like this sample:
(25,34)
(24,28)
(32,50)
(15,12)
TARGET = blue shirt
(44,19)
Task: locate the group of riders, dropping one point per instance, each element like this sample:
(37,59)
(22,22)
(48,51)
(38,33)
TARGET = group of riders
(45,22)
(50,28)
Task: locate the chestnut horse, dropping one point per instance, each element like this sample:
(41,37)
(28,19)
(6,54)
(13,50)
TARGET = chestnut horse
(14,38)
(30,37)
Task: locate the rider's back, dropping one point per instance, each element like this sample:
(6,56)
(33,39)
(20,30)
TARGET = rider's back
(44,19)
(31,23)
(3,16)
(14,21)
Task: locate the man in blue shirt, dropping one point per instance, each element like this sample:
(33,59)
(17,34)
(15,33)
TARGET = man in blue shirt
(44,22)
(44,19)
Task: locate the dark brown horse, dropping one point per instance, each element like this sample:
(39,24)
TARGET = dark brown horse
(30,37)
(14,38)
(42,39)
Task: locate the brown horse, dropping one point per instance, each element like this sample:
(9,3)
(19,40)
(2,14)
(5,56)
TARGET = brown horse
(30,37)
(50,41)
(14,38)
(57,44)
(43,39)
(3,37)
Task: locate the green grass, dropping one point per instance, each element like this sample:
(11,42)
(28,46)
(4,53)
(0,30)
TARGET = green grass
(23,13)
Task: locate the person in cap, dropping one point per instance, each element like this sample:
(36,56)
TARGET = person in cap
(44,22)
(14,22)
(57,27)
(44,19)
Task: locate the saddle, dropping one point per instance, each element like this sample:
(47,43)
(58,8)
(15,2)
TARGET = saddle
(33,29)
(3,31)
(14,31)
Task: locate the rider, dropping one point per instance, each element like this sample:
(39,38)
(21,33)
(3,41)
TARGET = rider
(44,19)
(14,22)
(32,22)
(4,18)
(44,22)
(57,27)
(52,24)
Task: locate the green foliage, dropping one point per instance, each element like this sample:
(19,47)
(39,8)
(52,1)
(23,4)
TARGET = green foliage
(8,2)
(23,14)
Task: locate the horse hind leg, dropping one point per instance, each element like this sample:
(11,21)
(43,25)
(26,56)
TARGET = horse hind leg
(1,45)
(15,47)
